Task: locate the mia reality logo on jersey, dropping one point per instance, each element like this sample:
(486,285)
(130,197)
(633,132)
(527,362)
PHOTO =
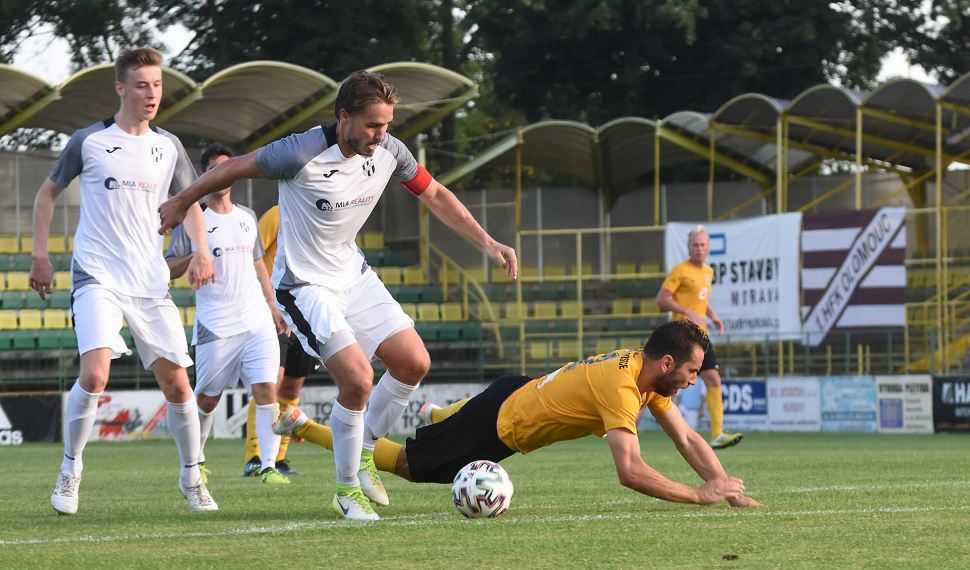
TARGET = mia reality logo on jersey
(112,183)
(324,205)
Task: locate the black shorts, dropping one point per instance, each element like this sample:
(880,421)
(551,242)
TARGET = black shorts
(295,362)
(437,452)
(710,359)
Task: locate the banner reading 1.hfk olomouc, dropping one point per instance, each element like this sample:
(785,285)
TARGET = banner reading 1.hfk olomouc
(755,262)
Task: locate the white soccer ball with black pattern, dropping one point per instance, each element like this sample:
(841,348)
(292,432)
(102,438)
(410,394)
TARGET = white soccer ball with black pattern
(482,489)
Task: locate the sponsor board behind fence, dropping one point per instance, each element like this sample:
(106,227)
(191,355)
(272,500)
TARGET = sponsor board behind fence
(848,404)
(794,404)
(127,415)
(904,404)
(230,415)
(745,405)
(30,418)
(951,403)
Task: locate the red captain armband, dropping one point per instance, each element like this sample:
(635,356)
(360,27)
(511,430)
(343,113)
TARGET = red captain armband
(420,182)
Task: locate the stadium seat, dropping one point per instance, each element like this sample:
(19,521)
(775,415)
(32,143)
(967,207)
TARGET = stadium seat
(18,281)
(514,310)
(586,267)
(540,350)
(428,312)
(406,294)
(414,276)
(449,331)
(62,280)
(183,297)
(373,240)
(472,330)
(622,307)
(649,307)
(26,244)
(410,311)
(49,339)
(604,346)
(60,262)
(572,309)
(8,320)
(189,316)
(500,275)
(649,268)
(55,319)
(570,350)
(165,242)
(529,273)
(391,275)
(553,271)
(23,262)
(450,275)
(545,310)
(432,295)
(182,282)
(30,319)
(33,301)
(451,312)
(359,241)
(60,300)
(427,331)
(56,243)
(24,340)
(70,243)
(12,300)
(626,271)
(8,244)
(68,339)
(126,336)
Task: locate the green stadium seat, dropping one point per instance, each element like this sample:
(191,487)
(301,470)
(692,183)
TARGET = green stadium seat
(374,257)
(129,340)
(450,331)
(68,339)
(472,330)
(391,257)
(61,300)
(4,340)
(12,300)
(63,262)
(565,326)
(431,295)
(183,297)
(409,294)
(627,289)
(35,302)
(427,331)
(23,262)
(24,340)
(49,339)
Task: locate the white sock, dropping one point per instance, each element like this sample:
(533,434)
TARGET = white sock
(269,442)
(388,400)
(348,434)
(183,422)
(79,414)
(205,427)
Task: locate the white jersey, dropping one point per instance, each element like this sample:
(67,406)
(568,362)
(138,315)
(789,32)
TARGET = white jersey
(234,304)
(325,198)
(124,179)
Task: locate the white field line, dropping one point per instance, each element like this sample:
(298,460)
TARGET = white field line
(452,519)
(870,487)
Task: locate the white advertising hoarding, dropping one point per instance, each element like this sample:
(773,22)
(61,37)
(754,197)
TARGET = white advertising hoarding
(904,404)
(794,404)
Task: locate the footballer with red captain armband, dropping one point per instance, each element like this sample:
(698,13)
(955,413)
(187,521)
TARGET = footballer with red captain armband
(330,179)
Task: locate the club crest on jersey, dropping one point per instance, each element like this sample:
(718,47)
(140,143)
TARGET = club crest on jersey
(157,153)
(369,167)
(244,226)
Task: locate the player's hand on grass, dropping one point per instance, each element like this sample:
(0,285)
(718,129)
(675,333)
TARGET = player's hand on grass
(718,489)
(505,255)
(201,270)
(281,326)
(172,213)
(743,501)
(42,276)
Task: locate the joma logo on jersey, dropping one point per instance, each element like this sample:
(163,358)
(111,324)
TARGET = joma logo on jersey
(369,167)
(112,183)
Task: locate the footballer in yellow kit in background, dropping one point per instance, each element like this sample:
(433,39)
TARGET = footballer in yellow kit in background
(686,293)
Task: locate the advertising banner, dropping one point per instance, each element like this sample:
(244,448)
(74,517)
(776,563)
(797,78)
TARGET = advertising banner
(848,404)
(853,275)
(30,418)
(127,415)
(317,402)
(745,405)
(794,404)
(951,403)
(230,415)
(904,404)
(755,285)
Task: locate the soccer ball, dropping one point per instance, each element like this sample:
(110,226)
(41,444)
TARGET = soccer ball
(482,489)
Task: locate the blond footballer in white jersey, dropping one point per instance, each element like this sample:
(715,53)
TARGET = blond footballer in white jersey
(330,180)
(126,169)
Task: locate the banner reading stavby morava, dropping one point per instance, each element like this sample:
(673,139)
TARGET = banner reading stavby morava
(904,404)
(848,404)
(745,405)
(951,403)
(755,262)
(794,404)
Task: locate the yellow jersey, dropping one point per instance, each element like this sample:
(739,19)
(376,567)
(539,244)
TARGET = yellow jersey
(269,226)
(691,287)
(591,396)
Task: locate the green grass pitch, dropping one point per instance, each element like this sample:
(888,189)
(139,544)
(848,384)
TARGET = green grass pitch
(833,501)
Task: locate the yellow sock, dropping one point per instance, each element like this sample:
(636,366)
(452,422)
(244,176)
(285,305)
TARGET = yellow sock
(285,440)
(441,414)
(252,442)
(715,410)
(315,433)
(385,454)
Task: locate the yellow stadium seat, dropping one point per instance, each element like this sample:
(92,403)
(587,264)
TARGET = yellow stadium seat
(428,312)
(529,273)
(587,269)
(515,311)
(18,281)
(373,240)
(391,275)
(540,350)
(70,243)
(622,307)
(410,310)
(553,271)
(27,244)
(414,276)
(500,275)
(649,268)
(30,319)
(626,270)
(605,346)
(359,241)
(8,320)
(189,316)
(55,319)
(476,273)
(166,241)
(451,312)
(545,310)
(570,350)
(649,307)
(56,243)
(62,280)
(8,244)
(449,275)
(572,309)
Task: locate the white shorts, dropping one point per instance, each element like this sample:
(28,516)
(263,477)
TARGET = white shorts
(99,314)
(253,357)
(328,321)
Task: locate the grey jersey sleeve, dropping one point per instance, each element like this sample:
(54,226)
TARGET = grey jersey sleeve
(407,166)
(184,174)
(70,163)
(180,246)
(258,251)
(285,158)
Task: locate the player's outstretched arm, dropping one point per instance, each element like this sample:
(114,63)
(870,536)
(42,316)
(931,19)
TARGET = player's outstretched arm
(41,271)
(639,476)
(224,175)
(443,204)
(698,453)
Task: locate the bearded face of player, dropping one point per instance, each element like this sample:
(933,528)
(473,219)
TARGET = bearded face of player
(214,162)
(141,93)
(679,376)
(361,132)
(699,245)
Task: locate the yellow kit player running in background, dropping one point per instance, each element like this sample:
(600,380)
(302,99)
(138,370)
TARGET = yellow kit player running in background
(686,292)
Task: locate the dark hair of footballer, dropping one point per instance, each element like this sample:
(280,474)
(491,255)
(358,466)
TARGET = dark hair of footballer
(676,338)
(212,151)
(131,59)
(361,89)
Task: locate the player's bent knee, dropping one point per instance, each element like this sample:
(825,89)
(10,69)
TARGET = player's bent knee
(264,393)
